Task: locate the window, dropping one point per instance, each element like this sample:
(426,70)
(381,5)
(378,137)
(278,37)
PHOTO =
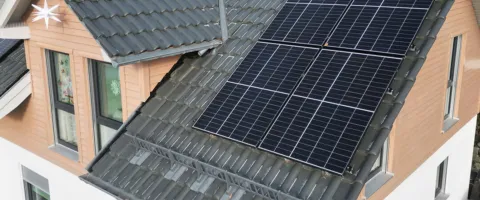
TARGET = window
(34,193)
(36,186)
(62,99)
(441,180)
(452,78)
(106,100)
(379,174)
(380,164)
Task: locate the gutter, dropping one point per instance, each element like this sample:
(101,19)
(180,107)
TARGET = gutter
(162,53)
(397,105)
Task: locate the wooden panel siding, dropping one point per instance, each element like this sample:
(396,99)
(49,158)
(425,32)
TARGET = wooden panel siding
(418,128)
(31,125)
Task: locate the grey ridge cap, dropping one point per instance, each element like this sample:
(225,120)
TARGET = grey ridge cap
(157,155)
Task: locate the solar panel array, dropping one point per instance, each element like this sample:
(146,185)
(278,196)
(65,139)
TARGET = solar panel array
(325,118)
(313,105)
(256,91)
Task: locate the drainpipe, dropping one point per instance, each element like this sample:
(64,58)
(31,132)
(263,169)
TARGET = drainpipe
(223,20)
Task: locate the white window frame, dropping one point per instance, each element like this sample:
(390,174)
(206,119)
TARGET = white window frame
(31,178)
(441,180)
(453,71)
(380,175)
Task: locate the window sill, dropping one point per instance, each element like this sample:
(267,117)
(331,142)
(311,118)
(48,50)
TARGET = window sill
(449,123)
(65,151)
(442,196)
(376,182)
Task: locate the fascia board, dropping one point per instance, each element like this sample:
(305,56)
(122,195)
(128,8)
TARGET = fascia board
(15,95)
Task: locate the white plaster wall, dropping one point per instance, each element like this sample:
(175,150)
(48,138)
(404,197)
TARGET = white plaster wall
(420,185)
(62,184)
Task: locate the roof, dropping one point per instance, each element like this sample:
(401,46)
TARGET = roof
(131,31)
(157,155)
(12,63)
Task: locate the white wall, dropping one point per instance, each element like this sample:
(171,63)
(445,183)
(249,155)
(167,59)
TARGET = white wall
(62,184)
(421,183)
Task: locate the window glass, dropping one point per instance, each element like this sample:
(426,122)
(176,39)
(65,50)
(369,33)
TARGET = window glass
(35,193)
(377,164)
(441,178)
(61,63)
(105,134)
(66,127)
(110,92)
(452,77)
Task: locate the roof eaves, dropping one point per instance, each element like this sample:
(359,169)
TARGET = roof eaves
(395,104)
(162,53)
(102,186)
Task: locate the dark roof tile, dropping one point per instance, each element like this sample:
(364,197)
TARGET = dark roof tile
(117,25)
(12,63)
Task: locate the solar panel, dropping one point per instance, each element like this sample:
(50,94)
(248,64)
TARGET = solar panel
(320,1)
(378,27)
(329,111)
(305,23)
(252,97)
(395,3)
(6,45)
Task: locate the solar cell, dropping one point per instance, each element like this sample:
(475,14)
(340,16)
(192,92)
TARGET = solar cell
(304,23)
(6,45)
(395,3)
(377,29)
(252,97)
(325,118)
(320,1)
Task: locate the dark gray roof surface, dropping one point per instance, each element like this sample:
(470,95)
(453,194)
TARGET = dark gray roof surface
(129,28)
(12,64)
(157,154)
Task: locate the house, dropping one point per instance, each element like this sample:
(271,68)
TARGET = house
(107,103)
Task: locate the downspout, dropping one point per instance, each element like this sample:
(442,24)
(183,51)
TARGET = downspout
(398,104)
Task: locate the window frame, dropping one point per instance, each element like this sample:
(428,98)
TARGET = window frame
(453,73)
(32,179)
(383,161)
(379,176)
(440,192)
(56,104)
(28,187)
(97,118)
